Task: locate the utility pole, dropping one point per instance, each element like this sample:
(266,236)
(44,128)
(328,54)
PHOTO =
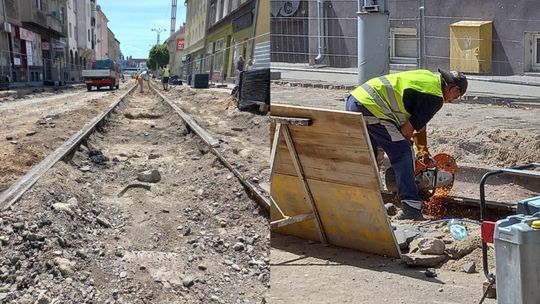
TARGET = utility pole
(158,31)
(373,32)
(173,16)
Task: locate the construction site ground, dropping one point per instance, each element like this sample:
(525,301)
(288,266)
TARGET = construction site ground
(157,256)
(481,135)
(192,237)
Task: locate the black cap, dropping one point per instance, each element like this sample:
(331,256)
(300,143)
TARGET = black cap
(456,78)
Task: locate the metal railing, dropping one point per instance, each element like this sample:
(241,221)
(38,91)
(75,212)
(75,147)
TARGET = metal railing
(22,68)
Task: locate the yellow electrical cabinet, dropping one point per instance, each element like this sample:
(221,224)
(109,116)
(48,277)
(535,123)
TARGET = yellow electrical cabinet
(471,46)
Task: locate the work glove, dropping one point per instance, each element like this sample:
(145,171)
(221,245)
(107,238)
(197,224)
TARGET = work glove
(420,143)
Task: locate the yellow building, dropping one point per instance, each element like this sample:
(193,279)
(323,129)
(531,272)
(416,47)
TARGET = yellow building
(261,55)
(229,36)
(195,34)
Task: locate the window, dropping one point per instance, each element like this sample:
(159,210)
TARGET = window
(225,8)
(70,30)
(218,10)
(218,56)
(403,45)
(212,17)
(535,52)
(234,5)
(39,4)
(88,35)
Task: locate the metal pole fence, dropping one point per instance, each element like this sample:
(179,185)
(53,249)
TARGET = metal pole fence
(15,66)
(495,40)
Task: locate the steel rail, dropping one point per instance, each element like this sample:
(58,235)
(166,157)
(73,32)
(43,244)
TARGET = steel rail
(15,191)
(258,194)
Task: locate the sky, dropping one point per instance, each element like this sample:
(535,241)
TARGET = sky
(132,20)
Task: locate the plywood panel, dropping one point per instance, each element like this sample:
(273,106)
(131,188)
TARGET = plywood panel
(352,217)
(340,170)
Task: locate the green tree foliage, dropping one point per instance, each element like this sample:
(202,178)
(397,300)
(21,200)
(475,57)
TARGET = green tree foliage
(159,54)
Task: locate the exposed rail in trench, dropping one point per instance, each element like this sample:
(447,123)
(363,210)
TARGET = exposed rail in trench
(253,190)
(15,192)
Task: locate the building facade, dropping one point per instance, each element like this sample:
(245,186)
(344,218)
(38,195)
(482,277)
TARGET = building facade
(513,40)
(86,41)
(102,41)
(195,35)
(49,41)
(113,45)
(73,70)
(176,46)
(261,41)
(230,30)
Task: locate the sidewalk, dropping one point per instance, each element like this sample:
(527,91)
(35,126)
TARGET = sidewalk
(479,86)
(20,90)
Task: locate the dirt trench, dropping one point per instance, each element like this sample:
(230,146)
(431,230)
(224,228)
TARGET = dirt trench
(194,237)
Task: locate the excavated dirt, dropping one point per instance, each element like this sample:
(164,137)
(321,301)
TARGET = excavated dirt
(243,135)
(33,127)
(193,237)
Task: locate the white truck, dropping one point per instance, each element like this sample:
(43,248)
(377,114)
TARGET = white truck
(104,73)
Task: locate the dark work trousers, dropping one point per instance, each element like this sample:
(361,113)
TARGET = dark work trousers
(386,135)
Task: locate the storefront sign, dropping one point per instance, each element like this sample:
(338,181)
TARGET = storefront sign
(29,55)
(16,61)
(26,34)
(179,44)
(45,46)
(59,45)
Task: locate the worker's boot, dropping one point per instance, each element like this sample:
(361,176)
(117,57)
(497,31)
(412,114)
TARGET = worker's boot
(408,212)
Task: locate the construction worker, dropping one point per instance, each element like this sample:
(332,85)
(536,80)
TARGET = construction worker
(165,74)
(396,108)
(141,78)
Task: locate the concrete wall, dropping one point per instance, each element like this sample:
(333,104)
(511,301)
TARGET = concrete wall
(511,19)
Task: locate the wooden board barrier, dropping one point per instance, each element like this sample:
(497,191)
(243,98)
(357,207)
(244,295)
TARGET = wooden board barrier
(342,175)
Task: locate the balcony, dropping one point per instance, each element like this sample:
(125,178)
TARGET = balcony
(33,17)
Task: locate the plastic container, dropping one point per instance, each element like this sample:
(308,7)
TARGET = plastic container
(200,81)
(529,206)
(517,259)
(457,229)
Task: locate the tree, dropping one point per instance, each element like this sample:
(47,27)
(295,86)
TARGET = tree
(159,54)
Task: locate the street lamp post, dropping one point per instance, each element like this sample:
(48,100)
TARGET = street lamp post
(158,31)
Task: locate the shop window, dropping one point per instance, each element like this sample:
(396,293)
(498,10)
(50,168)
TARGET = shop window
(218,56)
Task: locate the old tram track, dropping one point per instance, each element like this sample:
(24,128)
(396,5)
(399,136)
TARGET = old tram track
(194,236)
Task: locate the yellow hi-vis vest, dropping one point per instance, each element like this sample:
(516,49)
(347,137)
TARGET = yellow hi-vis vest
(383,96)
(166,72)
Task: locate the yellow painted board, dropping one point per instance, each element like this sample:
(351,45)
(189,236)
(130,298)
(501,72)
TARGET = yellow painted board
(341,173)
(351,217)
